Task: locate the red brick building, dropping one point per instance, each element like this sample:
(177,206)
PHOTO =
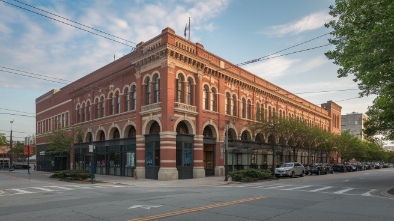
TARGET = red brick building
(161,111)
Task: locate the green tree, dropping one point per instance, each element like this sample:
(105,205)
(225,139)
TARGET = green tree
(362,36)
(60,142)
(3,140)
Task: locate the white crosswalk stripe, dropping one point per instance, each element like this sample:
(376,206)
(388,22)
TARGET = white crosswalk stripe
(31,190)
(312,189)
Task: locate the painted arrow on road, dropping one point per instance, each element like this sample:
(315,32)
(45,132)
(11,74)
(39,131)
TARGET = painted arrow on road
(145,206)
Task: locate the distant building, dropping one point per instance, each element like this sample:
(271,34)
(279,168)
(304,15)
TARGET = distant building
(354,123)
(389,148)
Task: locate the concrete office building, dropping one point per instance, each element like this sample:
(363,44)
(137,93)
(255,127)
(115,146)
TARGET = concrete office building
(354,123)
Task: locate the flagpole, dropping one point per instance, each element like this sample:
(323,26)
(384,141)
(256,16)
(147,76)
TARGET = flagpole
(189,29)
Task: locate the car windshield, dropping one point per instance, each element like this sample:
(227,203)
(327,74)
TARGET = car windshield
(287,165)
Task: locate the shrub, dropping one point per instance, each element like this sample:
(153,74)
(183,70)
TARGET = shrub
(250,175)
(71,174)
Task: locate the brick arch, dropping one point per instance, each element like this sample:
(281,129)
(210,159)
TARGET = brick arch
(182,73)
(124,88)
(98,132)
(146,76)
(190,125)
(126,128)
(213,126)
(246,130)
(148,123)
(112,130)
(156,72)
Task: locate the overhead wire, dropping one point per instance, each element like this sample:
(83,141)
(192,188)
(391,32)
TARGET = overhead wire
(67,24)
(15,111)
(74,21)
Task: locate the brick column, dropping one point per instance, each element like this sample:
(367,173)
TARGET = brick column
(140,155)
(198,157)
(168,170)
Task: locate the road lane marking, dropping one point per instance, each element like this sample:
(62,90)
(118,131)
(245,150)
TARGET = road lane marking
(191,210)
(344,191)
(44,189)
(274,187)
(368,193)
(19,191)
(324,188)
(60,187)
(296,188)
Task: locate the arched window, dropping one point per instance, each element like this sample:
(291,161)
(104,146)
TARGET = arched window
(157,88)
(280,114)
(132,133)
(182,128)
(148,91)
(245,135)
(228,103)
(117,97)
(82,112)
(243,108)
(116,134)
(154,128)
(206,97)
(249,110)
(234,103)
(133,97)
(269,114)
(189,92)
(258,112)
(127,99)
(207,132)
(112,99)
(102,136)
(88,111)
(102,102)
(97,108)
(179,88)
(78,114)
(213,100)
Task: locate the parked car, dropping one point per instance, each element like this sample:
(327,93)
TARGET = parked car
(377,166)
(23,167)
(339,168)
(318,169)
(290,169)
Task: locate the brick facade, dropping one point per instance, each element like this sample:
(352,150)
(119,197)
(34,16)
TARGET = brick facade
(173,95)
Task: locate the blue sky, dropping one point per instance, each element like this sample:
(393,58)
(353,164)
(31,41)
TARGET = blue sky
(236,30)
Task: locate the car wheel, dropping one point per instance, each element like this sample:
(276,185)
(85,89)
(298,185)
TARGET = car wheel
(292,174)
(318,172)
(302,174)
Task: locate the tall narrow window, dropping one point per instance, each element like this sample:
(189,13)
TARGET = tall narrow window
(83,113)
(243,108)
(269,114)
(228,103)
(127,99)
(133,97)
(117,102)
(88,111)
(213,100)
(249,110)
(189,91)
(148,91)
(206,97)
(258,112)
(179,88)
(97,108)
(102,103)
(262,112)
(78,114)
(157,88)
(112,104)
(234,103)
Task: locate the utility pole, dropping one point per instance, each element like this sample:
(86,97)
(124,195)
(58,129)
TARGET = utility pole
(225,154)
(11,155)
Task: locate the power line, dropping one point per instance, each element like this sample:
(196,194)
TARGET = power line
(31,76)
(22,115)
(74,22)
(35,74)
(314,92)
(260,59)
(15,131)
(16,111)
(67,24)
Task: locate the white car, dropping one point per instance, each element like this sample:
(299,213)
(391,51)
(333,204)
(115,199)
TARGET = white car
(290,169)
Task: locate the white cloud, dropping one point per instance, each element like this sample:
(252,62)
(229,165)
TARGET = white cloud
(272,68)
(307,23)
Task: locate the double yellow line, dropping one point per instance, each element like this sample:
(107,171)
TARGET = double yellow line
(191,210)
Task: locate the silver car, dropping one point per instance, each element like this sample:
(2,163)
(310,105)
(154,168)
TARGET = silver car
(290,169)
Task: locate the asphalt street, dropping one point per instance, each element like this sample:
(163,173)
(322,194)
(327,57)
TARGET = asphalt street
(341,196)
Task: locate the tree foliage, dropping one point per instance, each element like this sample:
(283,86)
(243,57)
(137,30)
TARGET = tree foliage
(59,142)
(362,36)
(3,140)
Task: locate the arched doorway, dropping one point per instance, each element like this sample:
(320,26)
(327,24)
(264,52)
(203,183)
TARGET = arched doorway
(209,151)
(152,152)
(184,151)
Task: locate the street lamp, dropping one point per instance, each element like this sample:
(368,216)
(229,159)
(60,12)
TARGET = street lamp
(11,143)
